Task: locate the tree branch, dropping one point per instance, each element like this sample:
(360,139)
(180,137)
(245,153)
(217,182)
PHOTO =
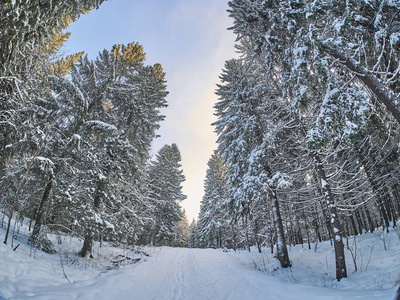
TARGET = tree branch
(382,93)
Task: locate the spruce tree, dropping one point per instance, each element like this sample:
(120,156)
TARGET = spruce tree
(246,142)
(214,217)
(166,178)
(31,34)
(183,232)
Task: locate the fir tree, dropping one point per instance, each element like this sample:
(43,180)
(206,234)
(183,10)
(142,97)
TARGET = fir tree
(166,192)
(214,219)
(183,232)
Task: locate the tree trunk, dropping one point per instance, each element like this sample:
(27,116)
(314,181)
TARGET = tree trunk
(88,242)
(10,218)
(272,240)
(259,245)
(32,217)
(371,225)
(324,209)
(341,271)
(316,228)
(353,224)
(87,245)
(39,214)
(395,191)
(369,172)
(281,249)
(360,221)
(316,225)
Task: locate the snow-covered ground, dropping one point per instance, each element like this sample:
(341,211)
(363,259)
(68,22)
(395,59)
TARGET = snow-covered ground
(179,273)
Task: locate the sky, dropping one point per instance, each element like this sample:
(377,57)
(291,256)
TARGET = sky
(189,38)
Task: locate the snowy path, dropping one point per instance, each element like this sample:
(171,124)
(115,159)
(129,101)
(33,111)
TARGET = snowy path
(168,274)
(194,274)
(172,273)
(175,274)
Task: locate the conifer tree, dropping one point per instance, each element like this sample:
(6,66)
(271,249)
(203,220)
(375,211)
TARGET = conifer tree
(193,236)
(28,25)
(183,232)
(246,141)
(31,34)
(166,178)
(313,52)
(121,98)
(98,130)
(213,225)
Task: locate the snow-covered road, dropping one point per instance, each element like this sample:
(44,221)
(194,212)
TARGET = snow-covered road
(171,273)
(195,274)
(178,274)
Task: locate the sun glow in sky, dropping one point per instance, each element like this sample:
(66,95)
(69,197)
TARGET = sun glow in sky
(191,41)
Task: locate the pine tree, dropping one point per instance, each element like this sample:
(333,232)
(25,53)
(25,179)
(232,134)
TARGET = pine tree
(165,193)
(326,57)
(183,232)
(117,124)
(213,225)
(309,36)
(32,33)
(193,235)
(97,130)
(28,26)
(247,144)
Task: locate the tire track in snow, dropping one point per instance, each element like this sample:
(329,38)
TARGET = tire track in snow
(187,278)
(178,276)
(173,282)
(205,287)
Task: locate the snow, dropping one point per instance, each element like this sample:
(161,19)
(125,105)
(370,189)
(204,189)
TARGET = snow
(323,183)
(394,39)
(338,25)
(181,273)
(101,125)
(280,180)
(109,225)
(393,3)
(303,89)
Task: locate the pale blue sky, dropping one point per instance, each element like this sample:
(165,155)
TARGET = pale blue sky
(191,41)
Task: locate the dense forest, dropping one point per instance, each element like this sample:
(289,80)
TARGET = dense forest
(308,127)
(76,135)
(308,124)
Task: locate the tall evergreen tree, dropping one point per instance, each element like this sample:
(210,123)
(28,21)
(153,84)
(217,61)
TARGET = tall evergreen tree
(247,145)
(166,178)
(31,34)
(123,98)
(214,217)
(97,133)
(183,232)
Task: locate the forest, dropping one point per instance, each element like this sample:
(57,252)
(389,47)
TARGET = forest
(76,135)
(308,125)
